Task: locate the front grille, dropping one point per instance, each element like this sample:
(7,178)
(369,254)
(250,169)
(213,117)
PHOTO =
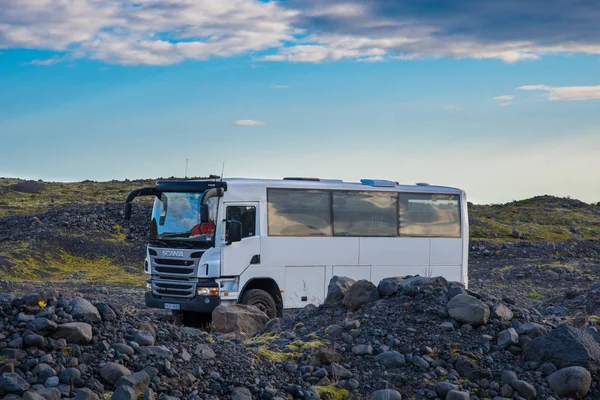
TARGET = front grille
(174,270)
(174,289)
(168,261)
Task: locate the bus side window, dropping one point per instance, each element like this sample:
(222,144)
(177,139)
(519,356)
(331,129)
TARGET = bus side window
(246,215)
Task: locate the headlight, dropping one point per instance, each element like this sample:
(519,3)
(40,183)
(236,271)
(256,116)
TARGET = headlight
(148,286)
(204,291)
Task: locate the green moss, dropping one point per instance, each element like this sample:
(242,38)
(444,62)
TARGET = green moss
(535,295)
(331,392)
(301,346)
(58,265)
(263,339)
(276,356)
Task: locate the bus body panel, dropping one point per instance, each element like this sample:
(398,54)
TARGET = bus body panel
(302,266)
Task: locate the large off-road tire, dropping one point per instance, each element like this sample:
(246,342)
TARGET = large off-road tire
(261,300)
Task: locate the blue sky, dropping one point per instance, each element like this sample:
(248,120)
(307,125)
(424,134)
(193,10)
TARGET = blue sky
(502,100)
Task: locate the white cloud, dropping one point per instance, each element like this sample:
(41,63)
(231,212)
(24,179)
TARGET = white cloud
(567,93)
(248,122)
(505,104)
(157,32)
(164,32)
(371,59)
(506,97)
(47,61)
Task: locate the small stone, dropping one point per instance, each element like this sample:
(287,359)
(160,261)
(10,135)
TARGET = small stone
(52,381)
(123,348)
(524,389)
(241,393)
(386,394)
(12,383)
(124,393)
(456,395)
(570,382)
(69,375)
(508,338)
(111,372)
(507,377)
(86,394)
(143,338)
(391,359)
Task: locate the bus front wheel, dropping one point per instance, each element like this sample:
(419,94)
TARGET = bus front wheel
(261,300)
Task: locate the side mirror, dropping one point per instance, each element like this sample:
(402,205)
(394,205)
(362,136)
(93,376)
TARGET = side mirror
(204,213)
(128,211)
(234,231)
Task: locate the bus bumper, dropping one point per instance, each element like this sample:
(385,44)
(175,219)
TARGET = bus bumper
(198,304)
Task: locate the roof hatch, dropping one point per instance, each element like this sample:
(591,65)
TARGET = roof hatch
(378,183)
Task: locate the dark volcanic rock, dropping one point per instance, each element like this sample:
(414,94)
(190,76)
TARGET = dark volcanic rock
(570,382)
(565,346)
(467,309)
(74,332)
(338,286)
(360,293)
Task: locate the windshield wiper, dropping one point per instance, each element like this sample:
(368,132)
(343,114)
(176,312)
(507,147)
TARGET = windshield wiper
(159,242)
(184,243)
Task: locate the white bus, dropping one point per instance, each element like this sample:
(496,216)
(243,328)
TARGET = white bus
(277,243)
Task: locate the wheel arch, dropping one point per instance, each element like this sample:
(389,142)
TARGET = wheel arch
(270,286)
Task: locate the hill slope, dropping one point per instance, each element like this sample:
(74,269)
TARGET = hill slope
(65,231)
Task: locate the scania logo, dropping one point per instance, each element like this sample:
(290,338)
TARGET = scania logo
(172,253)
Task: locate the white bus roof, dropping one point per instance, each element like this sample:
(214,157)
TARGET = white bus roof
(337,184)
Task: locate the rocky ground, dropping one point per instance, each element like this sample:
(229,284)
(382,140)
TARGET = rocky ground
(421,338)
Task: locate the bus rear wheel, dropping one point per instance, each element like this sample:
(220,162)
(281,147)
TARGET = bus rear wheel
(261,300)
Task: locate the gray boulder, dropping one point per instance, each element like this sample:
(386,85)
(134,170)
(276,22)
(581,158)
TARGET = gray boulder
(43,326)
(239,319)
(565,346)
(158,351)
(532,330)
(49,393)
(386,394)
(467,309)
(107,313)
(12,383)
(508,338)
(388,286)
(457,395)
(83,309)
(69,375)
(423,281)
(502,312)
(338,286)
(143,338)
(362,292)
(139,381)
(74,332)
(123,348)
(572,382)
(442,388)
(86,394)
(524,389)
(391,359)
(124,393)
(467,368)
(111,372)
(32,396)
(241,393)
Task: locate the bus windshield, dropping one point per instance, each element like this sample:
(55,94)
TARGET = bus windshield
(176,218)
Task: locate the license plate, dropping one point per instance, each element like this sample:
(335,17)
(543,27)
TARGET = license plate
(172,306)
